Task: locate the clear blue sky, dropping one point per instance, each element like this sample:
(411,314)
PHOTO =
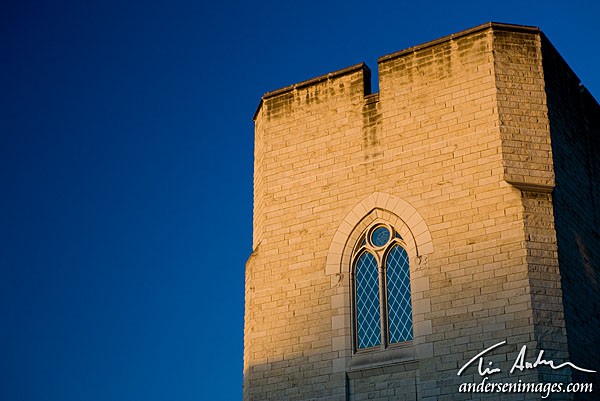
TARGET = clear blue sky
(126,144)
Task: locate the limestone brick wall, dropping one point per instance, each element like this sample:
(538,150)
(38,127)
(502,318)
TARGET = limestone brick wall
(455,152)
(310,137)
(574,117)
(528,165)
(441,114)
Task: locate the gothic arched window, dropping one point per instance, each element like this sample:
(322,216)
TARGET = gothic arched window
(382,300)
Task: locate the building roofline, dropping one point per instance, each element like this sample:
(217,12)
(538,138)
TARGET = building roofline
(362,66)
(482,27)
(311,81)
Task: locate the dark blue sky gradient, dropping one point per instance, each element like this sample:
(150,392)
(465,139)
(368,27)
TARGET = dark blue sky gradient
(126,144)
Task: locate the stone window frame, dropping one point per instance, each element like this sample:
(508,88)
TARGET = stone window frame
(384,209)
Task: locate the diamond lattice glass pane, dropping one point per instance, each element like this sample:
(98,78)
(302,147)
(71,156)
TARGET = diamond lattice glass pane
(399,305)
(367,302)
(380,236)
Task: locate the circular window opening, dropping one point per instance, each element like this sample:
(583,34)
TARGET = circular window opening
(380,236)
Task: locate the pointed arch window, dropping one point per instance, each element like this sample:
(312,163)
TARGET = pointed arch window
(381,293)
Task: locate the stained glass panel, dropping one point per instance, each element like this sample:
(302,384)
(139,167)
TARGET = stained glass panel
(367,302)
(380,236)
(399,305)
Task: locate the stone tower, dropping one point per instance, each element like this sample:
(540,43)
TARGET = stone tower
(398,234)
